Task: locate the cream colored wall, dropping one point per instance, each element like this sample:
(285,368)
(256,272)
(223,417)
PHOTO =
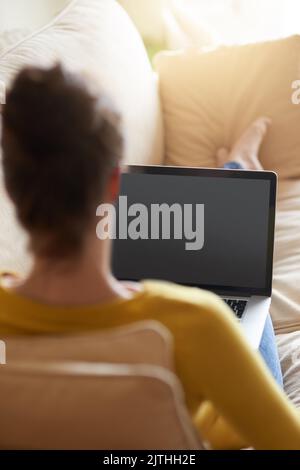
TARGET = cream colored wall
(27,14)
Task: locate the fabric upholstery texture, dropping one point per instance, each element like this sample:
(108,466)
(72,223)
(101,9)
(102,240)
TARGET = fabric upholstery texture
(119,346)
(285,308)
(83,36)
(289,353)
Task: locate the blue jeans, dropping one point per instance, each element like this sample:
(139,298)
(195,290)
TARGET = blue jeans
(269,352)
(268,347)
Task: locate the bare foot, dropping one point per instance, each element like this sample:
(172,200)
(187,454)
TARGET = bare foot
(246,150)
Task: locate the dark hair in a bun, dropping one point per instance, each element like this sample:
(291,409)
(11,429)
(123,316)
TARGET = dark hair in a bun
(59,141)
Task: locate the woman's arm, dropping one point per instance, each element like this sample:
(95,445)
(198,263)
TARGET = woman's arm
(216,431)
(236,381)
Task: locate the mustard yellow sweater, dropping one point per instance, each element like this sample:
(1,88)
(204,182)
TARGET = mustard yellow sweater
(230,394)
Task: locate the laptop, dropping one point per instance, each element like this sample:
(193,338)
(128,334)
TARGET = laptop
(211,229)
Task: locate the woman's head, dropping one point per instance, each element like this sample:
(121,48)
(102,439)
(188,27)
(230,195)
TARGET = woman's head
(60,145)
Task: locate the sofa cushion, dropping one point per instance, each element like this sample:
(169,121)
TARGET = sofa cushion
(97,36)
(285,306)
(112,389)
(12,37)
(209,99)
(289,354)
(146,342)
(84,406)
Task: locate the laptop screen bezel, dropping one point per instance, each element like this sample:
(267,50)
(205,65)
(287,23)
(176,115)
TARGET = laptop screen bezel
(221,173)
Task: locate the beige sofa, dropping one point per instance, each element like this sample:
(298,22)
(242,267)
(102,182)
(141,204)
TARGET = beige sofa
(110,390)
(97,36)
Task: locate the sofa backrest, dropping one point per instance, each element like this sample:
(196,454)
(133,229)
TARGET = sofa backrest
(107,390)
(92,406)
(209,99)
(98,37)
(147,342)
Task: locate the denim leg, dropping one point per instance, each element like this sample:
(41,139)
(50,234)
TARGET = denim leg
(268,347)
(269,352)
(233,166)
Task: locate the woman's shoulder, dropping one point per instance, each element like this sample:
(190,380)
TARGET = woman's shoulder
(191,298)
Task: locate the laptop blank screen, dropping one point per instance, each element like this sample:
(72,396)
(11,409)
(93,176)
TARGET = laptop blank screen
(231,251)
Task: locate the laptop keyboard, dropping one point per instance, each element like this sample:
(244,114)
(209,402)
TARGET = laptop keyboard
(237,306)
